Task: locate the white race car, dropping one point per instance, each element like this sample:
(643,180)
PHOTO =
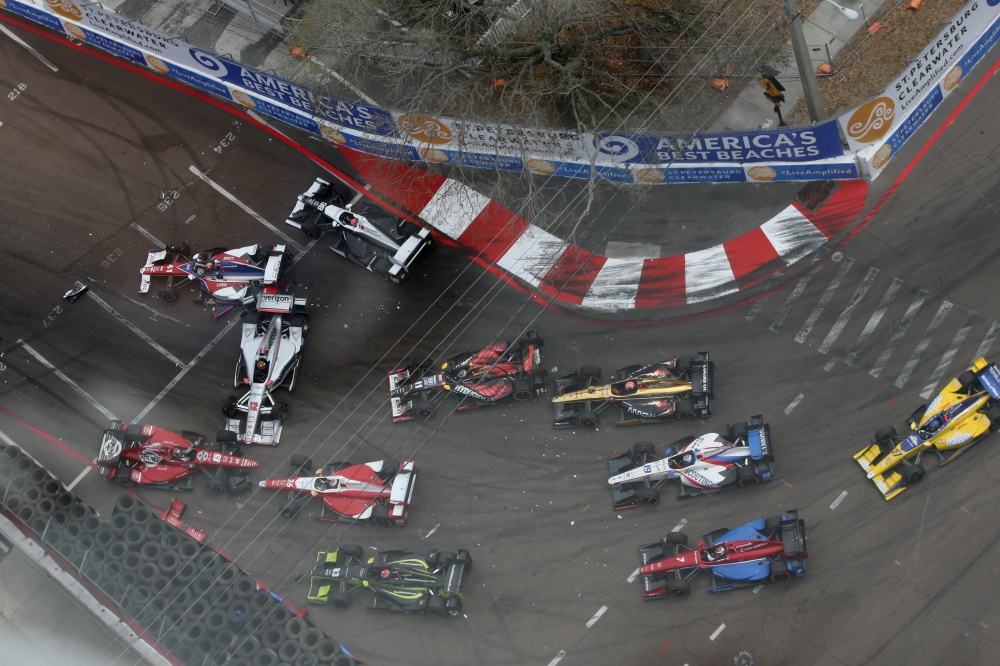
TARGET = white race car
(740,455)
(368,236)
(270,352)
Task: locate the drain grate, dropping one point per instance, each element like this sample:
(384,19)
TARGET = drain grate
(814,195)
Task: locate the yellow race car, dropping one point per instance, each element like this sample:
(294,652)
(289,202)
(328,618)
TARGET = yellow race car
(963,413)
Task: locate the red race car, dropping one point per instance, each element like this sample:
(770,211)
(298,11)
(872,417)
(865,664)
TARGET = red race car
(374,493)
(502,371)
(159,458)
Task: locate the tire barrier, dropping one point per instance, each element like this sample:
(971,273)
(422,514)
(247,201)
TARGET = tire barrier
(38,525)
(310,639)
(65,500)
(227,574)
(184,573)
(160,583)
(221,596)
(223,639)
(133,537)
(306,659)
(280,615)
(82,512)
(168,561)
(154,530)
(208,561)
(215,620)
(289,651)
(188,549)
(120,522)
(245,646)
(116,551)
(104,536)
(45,506)
(26,513)
(238,613)
(141,515)
(184,654)
(272,637)
(51,488)
(240,661)
(151,551)
(327,650)
(201,584)
(131,561)
(244,586)
(265,657)
(295,626)
(125,504)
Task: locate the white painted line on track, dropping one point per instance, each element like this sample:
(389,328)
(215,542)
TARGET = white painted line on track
(150,237)
(357,91)
(558,658)
(679,526)
(135,329)
(9,442)
(840,498)
(635,574)
(218,188)
(17,40)
(597,616)
(829,366)
(190,219)
(180,375)
(73,385)
(715,634)
(156,313)
(79,478)
(758,589)
(794,403)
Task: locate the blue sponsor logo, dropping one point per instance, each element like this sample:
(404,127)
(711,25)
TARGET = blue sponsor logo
(647,469)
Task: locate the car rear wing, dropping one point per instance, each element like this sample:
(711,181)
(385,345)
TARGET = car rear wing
(401,495)
(112,446)
(759,439)
(702,375)
(151,258)
(455,573)
(989,377)
(793,535)
(269,431)
(408,252)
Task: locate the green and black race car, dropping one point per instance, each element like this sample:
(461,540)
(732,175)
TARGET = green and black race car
(428,582)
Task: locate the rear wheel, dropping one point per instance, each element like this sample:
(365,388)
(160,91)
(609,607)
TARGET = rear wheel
(380,516)
(685,411)
(967,379)
(381,267)
(588,420)
(423,410)
(291,509)
(779,572)
(746,477)
(302,464)
(738,430)
(216,487)
(123,477)
(436,606)
(649,496)
(590,371)
(169,294)
(522,390)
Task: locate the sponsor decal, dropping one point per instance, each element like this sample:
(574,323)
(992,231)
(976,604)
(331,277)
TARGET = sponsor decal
(202,456)
(881,157)
(157,64)
(208,63)
(74,30)
(243,98)
(648,469)
(764,445)
(650,176)
(543,167)
(149,457)
(952,78)
(697,478)
(110,448)
(465,390)
(65,8)
(425,129)
(959,438)
(433,155)
(761,173)
(147,430)
(332,133)
(618,148)
(872,120)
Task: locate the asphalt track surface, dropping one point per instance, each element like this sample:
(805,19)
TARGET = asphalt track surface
(87,151)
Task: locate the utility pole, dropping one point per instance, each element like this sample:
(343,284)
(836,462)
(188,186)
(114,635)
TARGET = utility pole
(810,89)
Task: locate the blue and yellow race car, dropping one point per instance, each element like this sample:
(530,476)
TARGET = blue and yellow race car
(963,413)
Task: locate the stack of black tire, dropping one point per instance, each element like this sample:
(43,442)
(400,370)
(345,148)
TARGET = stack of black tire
(194,601)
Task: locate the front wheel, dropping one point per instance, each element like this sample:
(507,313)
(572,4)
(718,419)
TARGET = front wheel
(591,371)
(913,474)
(340,600)
(280,411)
(311,229)
(423,410)
(229,408)
(588,419)
(169,294)
(679,588)
(649,496)
(676,538)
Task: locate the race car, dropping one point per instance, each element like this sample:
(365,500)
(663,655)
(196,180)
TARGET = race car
(481,378)
(375,493)
(678,389)
(738,455)
(368,236)
(965,411)
(766,550)
(222,275)
(158,458)
(403,582)
(270,354)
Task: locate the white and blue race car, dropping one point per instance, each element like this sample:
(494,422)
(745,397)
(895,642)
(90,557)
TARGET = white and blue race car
(740,455)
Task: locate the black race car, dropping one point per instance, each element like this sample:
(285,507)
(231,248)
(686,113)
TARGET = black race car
(428,582)
(496,373)
(678,389)
(368,236)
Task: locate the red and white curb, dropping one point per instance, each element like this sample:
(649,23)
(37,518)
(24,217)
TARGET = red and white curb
(572,275)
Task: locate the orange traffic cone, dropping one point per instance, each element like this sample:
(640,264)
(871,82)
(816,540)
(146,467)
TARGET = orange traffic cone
(824,69)
(913,4)
(719,84)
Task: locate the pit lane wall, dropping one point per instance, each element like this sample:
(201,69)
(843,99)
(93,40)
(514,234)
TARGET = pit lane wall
(874,131)
(175,600)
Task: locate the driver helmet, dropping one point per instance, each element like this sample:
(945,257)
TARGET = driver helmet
(322,483)
(687,458)
(719,551)
(630,385)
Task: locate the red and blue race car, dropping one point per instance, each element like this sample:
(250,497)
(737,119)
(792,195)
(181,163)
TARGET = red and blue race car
(766,550)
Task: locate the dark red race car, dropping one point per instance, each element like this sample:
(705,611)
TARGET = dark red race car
(159,458)
(496,373)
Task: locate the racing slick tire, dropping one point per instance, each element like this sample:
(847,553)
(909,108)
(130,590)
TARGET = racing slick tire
(917,415)
(643,449)
(737,430)
(280,411)
(169,294)
(992,412)
(966,379)
(380,516)
(300,321)
(229,409)
(240,373)
(772,524)
(746,477)
(311,229)
(913,474)
(685,411)
(227,439)
(352,550)
(288,651)
(883,437)
(123,477)
(436,606)
(590,371)
(679,588)
(649,496)
(180,248)
(423,410)
(291,509)
(408,229)
(302,464)
(588,419)
(381,266)
(675,538)
(341,600)
(217,487)
(522,390)
(779,572)
(464,556)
